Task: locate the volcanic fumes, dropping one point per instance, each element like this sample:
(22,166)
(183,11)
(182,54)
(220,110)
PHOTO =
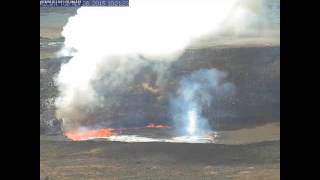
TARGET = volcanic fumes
(195,93)
(110,48)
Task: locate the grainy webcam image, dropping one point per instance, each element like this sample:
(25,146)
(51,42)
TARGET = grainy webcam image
(161,90)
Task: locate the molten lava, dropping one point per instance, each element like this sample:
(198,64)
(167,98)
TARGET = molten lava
(156,126)
(77,135)
(80,134)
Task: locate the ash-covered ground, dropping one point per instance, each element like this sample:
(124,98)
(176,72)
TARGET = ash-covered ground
(112,160)
(248,145)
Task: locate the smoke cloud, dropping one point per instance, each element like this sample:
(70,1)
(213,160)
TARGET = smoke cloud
(111,47)
(195,93)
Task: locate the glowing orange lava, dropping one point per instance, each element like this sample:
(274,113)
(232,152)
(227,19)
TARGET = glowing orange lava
(77,135)
(156,126)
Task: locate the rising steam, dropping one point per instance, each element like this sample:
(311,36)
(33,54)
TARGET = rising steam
(195,93)
(111,46)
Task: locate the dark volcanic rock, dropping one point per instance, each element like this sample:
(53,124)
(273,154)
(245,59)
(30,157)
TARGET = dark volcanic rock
(256,73)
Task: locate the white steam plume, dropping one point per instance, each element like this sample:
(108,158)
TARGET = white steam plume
(111,45)
(195,93)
